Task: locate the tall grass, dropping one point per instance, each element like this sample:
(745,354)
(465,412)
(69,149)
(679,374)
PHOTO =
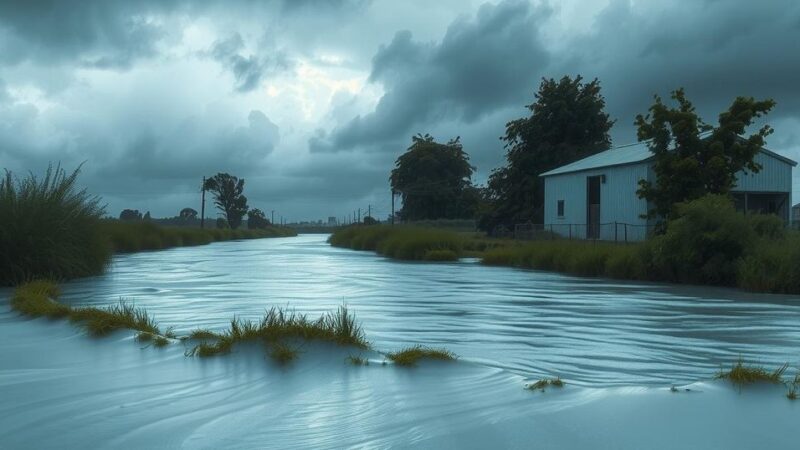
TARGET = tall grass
(126,237)
(581,258)
(49,228)
(401,242)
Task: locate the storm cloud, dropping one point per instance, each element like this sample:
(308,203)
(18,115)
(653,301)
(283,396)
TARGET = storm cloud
(312,101)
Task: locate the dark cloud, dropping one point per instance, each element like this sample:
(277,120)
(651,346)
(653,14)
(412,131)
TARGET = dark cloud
(247,70)
(482,64)
(101,33)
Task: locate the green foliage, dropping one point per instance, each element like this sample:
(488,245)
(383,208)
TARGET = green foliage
(772,266)
(227,190)
(188,214)
(399,242)
(703,244)
(49,228)
(412,355)
(567,123)
(256,219)
(433,180)
(440,255)
(283,354)
(37,299)
(692,158)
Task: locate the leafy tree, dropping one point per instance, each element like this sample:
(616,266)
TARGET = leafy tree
(567,123)
(433,180)
(257,219)
(130,214)
(369,220)
(227,190)
(146,217)
(692,158)
(188,214)
(221,223)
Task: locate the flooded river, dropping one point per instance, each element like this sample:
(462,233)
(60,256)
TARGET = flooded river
(607,339)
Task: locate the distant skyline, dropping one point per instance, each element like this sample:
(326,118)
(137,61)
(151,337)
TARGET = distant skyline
(312,101)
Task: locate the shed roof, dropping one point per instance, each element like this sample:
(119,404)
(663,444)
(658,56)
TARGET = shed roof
(627,154)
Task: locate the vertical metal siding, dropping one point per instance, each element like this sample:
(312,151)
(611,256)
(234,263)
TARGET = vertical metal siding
(618,201)
(775,176)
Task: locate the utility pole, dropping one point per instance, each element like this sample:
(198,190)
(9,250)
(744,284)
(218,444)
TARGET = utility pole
(203,205)
(272,215)
(369,210)
(392,206)
(359,215)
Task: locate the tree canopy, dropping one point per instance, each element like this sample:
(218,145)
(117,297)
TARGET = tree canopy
(257,219)
(227,191)
(188,214)
(434,180)
(567,122)
(692,158)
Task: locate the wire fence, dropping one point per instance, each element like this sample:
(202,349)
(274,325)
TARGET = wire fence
(611,231)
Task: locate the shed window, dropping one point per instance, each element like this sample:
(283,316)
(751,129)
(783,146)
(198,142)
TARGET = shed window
(561,208)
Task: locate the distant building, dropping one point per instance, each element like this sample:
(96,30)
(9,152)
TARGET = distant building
(595,197)
(332,221)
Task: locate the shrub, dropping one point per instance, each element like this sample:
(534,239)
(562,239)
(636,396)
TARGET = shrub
(705,244)
(49,228)
(410,243)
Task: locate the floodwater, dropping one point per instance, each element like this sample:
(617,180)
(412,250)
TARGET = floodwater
(615,344)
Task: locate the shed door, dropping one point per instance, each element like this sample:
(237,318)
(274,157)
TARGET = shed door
(593,207)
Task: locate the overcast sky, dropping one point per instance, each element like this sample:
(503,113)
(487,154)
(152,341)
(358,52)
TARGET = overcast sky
(312,101)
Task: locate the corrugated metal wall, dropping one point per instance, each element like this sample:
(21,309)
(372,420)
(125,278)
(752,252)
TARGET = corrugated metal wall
(775,176)
(618,202)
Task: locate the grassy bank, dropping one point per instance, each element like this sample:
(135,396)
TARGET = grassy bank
(402,242)
(50,229)
(277,331)
(126,237)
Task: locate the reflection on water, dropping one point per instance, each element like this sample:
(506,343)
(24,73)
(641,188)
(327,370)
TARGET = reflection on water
(592,332)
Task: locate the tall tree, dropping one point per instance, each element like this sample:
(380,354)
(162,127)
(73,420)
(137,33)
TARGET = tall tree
(693,158)
(434,180)
(256,219)
(188,214)
(567,123)
(227,191)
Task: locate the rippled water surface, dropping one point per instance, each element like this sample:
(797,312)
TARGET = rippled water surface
(609,340)
(594,332)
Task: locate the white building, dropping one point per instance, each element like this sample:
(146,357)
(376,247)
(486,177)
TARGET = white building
(595,197)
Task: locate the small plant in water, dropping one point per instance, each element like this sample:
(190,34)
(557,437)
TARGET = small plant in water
(357,360)
(545,382)
(283,354)
(411,355)
(741,374)
(792,394)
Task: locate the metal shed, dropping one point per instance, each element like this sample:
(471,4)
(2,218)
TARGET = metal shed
(595,197)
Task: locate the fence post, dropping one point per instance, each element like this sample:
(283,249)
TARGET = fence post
(626,233)
(615,231)
(570,232)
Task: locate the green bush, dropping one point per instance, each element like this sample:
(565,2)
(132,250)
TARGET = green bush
(49,229)
(772,266)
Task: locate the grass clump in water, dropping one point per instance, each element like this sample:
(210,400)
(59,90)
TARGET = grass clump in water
(102,321)
(411,355)
(740,374)
(339,327)
(37,299)
(203,334)
(544,383)
(357,360)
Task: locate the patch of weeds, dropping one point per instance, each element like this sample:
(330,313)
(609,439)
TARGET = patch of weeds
(102,321)
(545,382)
(160,341)
(283,354)
(37,299)
(357,360)
(741,374)
(792,393)
(411,355)
(144,336)
(203,334)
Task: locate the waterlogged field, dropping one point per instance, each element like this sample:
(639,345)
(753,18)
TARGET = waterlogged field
(618,347)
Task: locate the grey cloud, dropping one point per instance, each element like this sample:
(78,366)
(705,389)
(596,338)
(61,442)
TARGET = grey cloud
(247,70)
(481,64)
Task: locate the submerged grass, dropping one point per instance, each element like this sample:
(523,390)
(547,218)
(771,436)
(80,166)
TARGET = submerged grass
(740,374)
(283,354)
(411,355)
(357,360)
(545,382)
(401,242)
